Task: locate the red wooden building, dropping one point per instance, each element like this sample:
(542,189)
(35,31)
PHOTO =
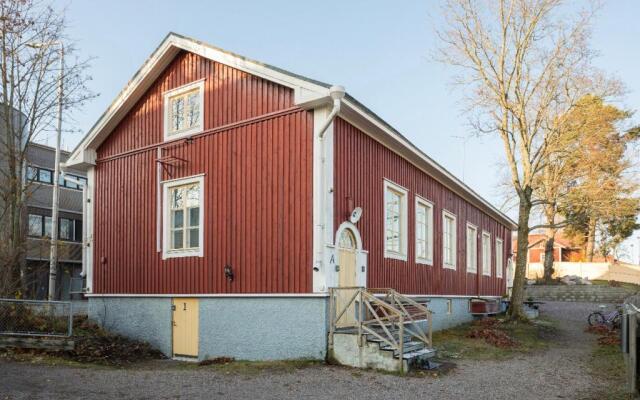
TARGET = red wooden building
(227,187)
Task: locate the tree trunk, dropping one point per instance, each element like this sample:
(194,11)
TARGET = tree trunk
(548,258)
(548,252)
(517,295)
(591,240)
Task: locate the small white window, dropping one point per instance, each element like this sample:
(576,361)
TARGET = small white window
(472,248)
(486,253)
(183,110)
(448,240)
(424,231)
(395,221)
(499,257)
(183,217)
(449,306)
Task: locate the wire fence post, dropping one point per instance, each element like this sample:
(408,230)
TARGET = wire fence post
(630,346)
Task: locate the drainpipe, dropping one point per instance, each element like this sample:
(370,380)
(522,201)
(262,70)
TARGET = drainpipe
(337,94)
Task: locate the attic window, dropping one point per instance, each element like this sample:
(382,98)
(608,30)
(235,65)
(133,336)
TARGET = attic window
(183,110)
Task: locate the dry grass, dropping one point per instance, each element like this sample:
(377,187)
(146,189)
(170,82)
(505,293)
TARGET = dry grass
(465,342)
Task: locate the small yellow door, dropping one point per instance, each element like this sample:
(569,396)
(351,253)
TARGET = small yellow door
(185,327)
(347,263)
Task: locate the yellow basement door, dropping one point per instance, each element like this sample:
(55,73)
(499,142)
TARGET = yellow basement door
(185,327)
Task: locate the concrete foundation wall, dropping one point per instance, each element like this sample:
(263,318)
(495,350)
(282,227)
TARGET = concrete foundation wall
(249,328)
(265,328)
(269,328)
(140,318)
(459,312)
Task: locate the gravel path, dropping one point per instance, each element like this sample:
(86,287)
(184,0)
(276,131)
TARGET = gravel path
(559,372)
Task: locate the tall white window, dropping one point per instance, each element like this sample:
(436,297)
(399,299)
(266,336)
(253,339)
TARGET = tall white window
(472,249)
(448,240)
(499,257)
(183,217)
(424,231)
(183,110)
(486,253)
(395,221)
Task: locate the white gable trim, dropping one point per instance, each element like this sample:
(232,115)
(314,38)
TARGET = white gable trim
(306,93)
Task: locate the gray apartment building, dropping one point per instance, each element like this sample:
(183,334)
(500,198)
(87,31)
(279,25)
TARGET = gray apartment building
(40,159)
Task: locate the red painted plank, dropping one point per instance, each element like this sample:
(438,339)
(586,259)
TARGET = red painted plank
(361,164)
(254,177)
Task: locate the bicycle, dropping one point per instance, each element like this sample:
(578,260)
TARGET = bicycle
(612,319)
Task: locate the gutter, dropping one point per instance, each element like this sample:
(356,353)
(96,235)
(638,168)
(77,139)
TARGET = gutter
(337,94)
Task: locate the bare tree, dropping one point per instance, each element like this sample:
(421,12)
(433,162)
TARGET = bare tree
(522,64)
(29,77)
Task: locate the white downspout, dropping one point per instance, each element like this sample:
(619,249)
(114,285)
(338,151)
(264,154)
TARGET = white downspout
(325,179)
(337,94)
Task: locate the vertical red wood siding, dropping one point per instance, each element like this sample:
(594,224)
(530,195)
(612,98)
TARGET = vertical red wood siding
(361,165)
(257,190)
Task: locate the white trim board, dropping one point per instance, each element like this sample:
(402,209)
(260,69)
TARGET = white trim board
(233,295)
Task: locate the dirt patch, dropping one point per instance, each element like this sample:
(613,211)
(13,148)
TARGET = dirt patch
(489,330)
(217,360)
(93,345)
(607,336)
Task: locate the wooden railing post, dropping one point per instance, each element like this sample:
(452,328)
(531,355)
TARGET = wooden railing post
(360,317)
(429,327)
(633,356)
(331,317)
(401,344)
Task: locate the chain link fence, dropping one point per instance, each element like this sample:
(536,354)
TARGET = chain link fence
(36,318)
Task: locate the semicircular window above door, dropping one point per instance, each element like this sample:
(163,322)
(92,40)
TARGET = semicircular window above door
(347,240)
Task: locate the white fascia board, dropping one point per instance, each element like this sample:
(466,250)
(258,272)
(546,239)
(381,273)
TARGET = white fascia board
(306,93)
(364,121)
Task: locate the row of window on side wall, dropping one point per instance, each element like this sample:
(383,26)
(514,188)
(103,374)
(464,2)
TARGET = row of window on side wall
(41,225)
(45,175)
(395,217)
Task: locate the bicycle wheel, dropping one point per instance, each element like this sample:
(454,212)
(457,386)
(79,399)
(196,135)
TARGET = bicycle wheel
(595,318)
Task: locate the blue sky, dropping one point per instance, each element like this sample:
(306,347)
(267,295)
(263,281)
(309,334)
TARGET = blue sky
(378,50)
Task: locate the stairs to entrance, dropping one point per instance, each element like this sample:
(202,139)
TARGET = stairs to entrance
(379,329)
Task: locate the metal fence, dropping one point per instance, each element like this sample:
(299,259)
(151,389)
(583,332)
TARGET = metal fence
(36,318)
(630,345)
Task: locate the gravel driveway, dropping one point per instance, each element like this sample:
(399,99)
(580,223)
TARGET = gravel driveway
(559,372)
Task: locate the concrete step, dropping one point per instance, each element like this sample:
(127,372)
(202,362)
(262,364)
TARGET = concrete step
(420,354)
(408,347)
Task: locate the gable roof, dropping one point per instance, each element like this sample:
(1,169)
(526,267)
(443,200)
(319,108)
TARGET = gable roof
(308,93)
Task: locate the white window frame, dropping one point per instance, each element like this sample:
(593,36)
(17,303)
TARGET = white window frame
(166,218)
(499,265)
(454,248)
(199,84)
(486,255)
(421,202)
(471,270)
(404,211)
